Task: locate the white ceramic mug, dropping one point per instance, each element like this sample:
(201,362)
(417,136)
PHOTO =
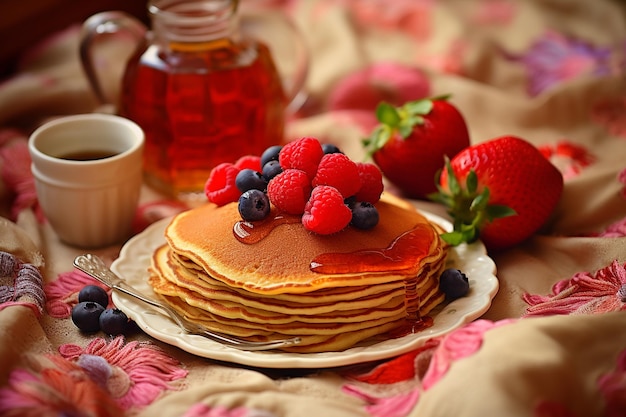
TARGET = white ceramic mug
(88,176)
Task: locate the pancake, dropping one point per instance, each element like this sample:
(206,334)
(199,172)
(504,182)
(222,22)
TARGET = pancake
(274,279)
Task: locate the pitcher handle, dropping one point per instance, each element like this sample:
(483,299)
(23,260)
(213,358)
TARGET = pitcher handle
(293,84)
(99,24)
(294,88)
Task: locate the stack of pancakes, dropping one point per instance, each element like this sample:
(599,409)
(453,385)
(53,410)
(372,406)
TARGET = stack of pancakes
(283,281)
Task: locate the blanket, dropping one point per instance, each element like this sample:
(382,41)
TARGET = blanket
(552,342)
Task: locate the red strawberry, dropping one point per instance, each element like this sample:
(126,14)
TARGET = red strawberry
(501,191)
(411,141)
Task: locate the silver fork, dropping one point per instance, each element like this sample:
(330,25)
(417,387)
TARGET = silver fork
(96,268)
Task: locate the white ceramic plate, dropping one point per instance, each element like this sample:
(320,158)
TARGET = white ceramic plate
(134,261)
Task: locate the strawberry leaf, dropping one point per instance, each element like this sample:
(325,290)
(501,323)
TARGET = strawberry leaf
(418,107)
(497,211)
(387,114)
(481,201)
(468,205)
(471,182)
(453,183)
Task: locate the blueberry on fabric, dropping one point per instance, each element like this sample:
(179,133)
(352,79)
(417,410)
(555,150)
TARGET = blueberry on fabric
(86,316)
(114,322)
(94,293)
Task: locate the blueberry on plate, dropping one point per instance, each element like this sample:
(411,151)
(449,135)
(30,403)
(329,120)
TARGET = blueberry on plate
(453,283)
(94,293)
(271,169)
(254,205)
(364,215)
(330,148)
(114,322)
(270,154)
(86,316)
(249,179)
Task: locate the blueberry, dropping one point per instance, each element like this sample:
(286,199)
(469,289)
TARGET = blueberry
(330,148)
(254,205)
(271,169)
(114,322)
(270,154)
(249,179)
(453,283)
(94,293)
(364,215)
(86,316)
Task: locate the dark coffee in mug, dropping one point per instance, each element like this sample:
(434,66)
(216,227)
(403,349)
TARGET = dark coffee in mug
(88,155)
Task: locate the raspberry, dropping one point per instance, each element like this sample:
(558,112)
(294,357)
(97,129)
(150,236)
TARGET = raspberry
(325,212)
(220,188)
(371,183)
(289,191)
(339,171)
(303,154)
(250,162)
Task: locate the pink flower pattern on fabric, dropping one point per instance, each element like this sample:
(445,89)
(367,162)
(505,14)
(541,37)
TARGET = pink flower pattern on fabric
(134,374)
(15,173)
(568,157)
(555,58)
(423,367)
(584,293)
(103,379)
(62,293)
(500,12)
(612,386)
(611,114)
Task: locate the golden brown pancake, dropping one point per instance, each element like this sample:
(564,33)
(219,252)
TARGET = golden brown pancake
(273,279)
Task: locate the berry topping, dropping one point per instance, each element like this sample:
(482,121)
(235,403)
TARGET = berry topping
(271,169)
(364,215)
(285,177)
(371,183)
(114,322)
(270,154)
(86,316)
(249,179)
(325,212)
(303,154)
(249,162)
(95,294)
(220,187)
(453,283)
(254,205)
(339,171)
(289,191)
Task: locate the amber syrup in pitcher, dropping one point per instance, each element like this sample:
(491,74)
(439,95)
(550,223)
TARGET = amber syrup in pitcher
(201,103)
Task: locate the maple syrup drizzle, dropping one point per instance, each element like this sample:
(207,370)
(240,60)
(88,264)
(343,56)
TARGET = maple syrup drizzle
(251,233)
(393,258)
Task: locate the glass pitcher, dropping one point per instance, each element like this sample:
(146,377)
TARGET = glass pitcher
(202,90)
